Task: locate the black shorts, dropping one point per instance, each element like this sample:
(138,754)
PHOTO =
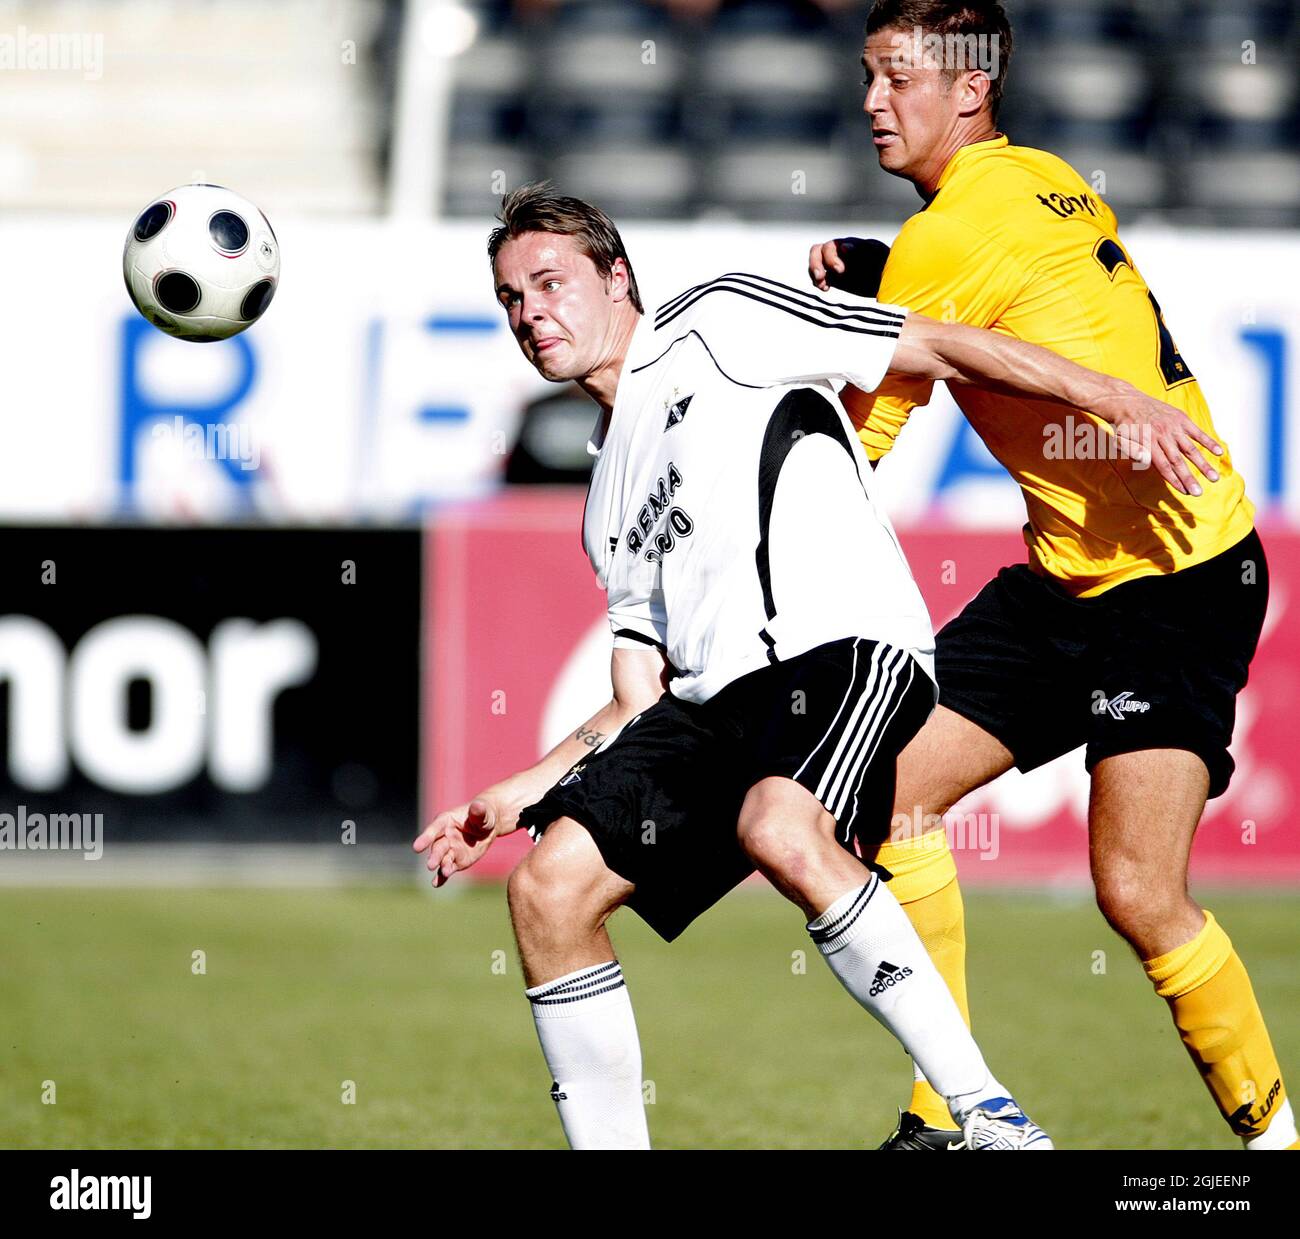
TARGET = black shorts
(1156,662)
(663,798)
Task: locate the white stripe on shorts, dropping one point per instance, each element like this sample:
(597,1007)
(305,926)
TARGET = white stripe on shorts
(867,734)
(848,693)
(850,726)
(898,701)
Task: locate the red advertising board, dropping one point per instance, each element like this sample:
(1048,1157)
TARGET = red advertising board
(516,656)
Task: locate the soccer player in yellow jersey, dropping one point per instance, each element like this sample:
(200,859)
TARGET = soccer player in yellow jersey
(1132,627)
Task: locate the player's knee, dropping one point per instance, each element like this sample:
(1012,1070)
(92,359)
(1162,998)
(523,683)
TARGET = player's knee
(1133,901)
(535,894)
(782,846)
(773,845)
(1117,900)
(523,894)
(785,832)
(554,892)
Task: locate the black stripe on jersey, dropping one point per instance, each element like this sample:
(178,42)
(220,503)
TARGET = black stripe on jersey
(674,301)
(878,328)
(779,297)
(803,411)
(785,292)
(890,332)
(712,358)
(633,635)
(810,310)
(817,300)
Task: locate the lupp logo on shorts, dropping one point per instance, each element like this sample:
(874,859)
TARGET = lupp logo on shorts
(103,1191)
(1124,704)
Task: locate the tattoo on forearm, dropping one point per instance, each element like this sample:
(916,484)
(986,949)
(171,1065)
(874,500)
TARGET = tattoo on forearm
(589,736)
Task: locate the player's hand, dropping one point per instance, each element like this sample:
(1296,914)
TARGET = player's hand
(455,839)
(854,264)
(823,261)
(1151,432)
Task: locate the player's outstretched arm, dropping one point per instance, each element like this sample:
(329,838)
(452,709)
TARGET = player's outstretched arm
(1148,430)
(458,837)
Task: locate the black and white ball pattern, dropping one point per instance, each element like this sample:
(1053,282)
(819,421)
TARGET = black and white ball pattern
(201,263)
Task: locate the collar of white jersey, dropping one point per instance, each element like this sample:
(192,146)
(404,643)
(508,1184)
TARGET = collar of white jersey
(639,343)
(597,440)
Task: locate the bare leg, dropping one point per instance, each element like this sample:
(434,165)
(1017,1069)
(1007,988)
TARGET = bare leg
(561,894)
(949,757)
(1143,814)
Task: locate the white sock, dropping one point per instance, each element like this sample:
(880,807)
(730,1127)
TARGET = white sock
(872,948)
(1279,1134)
(588,1035)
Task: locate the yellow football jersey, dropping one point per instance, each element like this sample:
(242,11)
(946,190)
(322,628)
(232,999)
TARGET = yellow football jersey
(1014,240)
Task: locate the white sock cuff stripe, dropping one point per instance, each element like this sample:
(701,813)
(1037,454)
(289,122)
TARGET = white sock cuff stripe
(836,926)
(576,986)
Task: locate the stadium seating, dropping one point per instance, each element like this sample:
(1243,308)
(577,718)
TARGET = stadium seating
(666,108)
(294,121)
(733,105)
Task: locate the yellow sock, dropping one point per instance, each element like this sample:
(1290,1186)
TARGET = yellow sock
(925,882)
(1214,1008)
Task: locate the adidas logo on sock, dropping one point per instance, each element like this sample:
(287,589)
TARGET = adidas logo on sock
(886,975)
(556,1095)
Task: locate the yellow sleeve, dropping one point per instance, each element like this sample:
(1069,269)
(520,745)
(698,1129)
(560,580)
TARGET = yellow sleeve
(943,268)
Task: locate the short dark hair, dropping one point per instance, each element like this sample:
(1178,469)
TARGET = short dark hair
(538,208)
(985,18)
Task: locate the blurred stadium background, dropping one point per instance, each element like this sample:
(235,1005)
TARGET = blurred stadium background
(264,600)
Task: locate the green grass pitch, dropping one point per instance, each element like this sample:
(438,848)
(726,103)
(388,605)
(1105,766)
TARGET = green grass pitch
(415,998)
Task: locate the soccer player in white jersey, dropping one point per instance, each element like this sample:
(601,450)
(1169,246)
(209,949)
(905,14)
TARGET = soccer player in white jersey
(750,574)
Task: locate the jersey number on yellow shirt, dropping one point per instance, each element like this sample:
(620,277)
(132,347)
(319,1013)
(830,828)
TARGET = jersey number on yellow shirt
(1173,368)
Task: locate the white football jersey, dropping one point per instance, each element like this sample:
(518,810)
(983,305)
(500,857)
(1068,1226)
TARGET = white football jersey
(730,514)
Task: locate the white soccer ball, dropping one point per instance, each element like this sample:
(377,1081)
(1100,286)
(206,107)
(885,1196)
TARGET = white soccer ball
(201,263)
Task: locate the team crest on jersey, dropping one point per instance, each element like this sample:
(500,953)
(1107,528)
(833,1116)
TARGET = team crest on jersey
(678,411)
